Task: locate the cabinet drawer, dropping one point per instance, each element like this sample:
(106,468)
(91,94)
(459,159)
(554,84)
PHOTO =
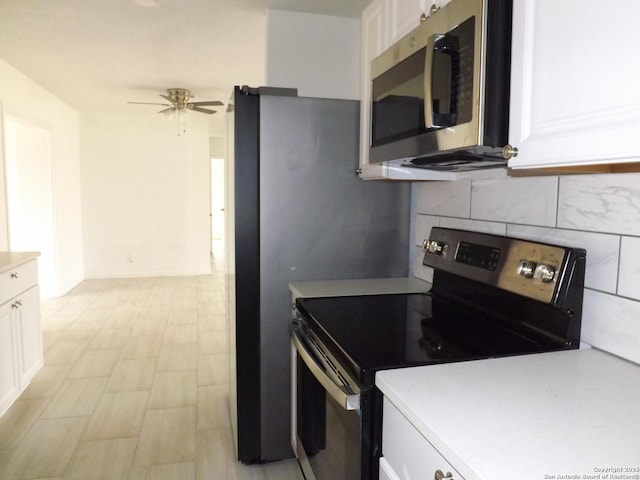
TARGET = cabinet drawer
(17,280)
(408,453)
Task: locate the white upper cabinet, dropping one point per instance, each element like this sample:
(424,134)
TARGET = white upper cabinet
(575,95)
(404,16)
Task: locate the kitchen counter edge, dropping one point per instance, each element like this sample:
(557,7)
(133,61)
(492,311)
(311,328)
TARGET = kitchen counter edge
(9,260)
(362,286)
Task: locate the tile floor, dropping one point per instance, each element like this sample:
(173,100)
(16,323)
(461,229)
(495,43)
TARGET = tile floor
(134,386)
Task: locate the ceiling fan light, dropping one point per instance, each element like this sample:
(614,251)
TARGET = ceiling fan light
(169,112)
(179,106)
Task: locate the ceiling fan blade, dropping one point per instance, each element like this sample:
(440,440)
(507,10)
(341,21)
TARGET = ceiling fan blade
(166,110)
(205,103)
(150,103)
(201,110)
(166,97)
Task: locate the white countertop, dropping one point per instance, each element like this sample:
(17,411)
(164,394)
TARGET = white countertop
(532,417)
(9,260)
(363,286)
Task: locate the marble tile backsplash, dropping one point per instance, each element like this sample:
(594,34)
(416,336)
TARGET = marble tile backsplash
(600,203)
(600,213)
(521,200)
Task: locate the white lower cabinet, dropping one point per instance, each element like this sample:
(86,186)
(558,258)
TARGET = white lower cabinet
(21,353)
(9,385)
(386,471)
(29,334)
(407,454)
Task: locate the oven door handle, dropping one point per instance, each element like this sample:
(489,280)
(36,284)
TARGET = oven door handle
(347,400)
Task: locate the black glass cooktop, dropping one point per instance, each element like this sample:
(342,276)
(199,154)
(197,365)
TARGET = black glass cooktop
(375,332)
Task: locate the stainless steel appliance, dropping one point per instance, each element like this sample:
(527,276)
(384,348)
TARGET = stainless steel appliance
(297,212)
(440,96)
(491,296)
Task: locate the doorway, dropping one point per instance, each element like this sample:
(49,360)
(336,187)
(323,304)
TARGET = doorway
(29,191)
(217,203)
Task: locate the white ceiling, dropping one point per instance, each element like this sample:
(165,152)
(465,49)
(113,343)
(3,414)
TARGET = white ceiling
(98,54)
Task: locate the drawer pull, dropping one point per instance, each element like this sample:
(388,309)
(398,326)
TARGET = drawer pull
(16,304)
(440,476)
(14,275)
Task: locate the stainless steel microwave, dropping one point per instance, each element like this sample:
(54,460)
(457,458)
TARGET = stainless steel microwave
(440,96)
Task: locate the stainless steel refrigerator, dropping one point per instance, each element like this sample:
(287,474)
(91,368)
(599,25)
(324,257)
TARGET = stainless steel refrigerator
(296,210)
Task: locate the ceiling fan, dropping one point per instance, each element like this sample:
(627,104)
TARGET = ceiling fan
(179,101)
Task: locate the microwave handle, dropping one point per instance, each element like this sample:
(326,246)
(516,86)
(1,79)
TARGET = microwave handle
(346,400)
(428,72)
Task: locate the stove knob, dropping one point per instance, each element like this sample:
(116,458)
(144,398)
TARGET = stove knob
(526,268)
(546,273)
(434,246)
(439,475)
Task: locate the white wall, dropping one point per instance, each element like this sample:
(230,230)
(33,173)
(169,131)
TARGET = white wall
(317,54)
(24,99)
(4,219)
(600,213)
(146,195)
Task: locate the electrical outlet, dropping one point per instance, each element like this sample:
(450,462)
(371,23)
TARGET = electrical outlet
(130,258)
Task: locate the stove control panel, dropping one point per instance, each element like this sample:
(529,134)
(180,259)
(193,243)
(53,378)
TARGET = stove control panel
(520,266)
(480,256)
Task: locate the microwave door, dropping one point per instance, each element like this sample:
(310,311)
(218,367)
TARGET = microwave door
(398,101)
(441,81)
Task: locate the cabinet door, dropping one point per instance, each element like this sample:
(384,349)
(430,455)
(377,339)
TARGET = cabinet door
(440,3)
(574,88)
(408,453)
(404,16)
(9,387)
(373,41)
(386,472)
(17,280)
(27,319)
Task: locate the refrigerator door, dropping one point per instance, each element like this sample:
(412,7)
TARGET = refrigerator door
(318,221)
(243,273)
(300,212)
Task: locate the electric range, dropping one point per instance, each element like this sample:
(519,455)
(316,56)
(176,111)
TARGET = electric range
(491,296)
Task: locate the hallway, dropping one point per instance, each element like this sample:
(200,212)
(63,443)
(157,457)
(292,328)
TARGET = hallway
(134,386)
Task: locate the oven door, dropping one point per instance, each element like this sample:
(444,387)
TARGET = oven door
(328,421)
